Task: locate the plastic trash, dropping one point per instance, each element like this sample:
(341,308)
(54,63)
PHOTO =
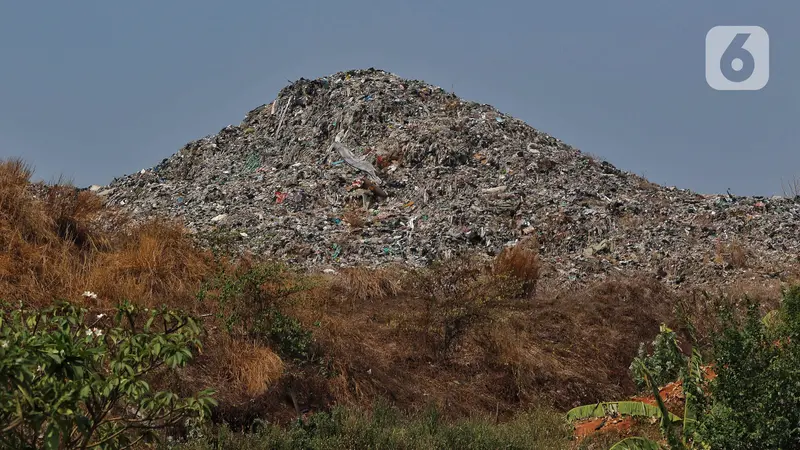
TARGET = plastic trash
(358,163)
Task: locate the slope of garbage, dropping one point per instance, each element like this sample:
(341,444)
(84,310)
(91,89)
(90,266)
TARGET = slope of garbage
(365,168)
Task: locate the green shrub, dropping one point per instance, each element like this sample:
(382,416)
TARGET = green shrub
(74,381)
(755,398)
(664,364)
(286,334)
(249,302)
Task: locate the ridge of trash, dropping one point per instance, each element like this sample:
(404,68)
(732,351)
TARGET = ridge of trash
(366,168)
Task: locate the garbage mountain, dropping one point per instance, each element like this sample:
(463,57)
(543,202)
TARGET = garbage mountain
(365,168)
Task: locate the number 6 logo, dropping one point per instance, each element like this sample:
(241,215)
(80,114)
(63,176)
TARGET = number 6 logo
(737,58)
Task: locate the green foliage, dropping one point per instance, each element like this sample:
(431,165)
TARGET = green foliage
(664,364)
(690,374)
(69,381)
(387,428)
(755,399)
(694,393)
(249,303)
(286,334)
(241,296)
(667,429)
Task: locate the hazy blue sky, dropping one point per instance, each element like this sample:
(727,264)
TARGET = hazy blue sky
(97,89)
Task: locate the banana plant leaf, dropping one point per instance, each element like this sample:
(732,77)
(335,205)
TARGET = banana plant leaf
(617,408)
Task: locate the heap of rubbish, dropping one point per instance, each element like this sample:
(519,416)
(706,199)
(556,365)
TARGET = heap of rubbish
(366,168)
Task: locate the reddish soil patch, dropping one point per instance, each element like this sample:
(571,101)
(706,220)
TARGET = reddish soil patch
(671,394)
(603,425)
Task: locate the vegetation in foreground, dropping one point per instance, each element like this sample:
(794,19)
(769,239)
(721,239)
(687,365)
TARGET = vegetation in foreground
(747,397)
(74,381)
(384,427)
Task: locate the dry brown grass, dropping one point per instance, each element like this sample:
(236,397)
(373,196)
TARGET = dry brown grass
(457,335)
(156,263)
(568,348)
(701,307)
(74,216)
(520,263)
(364,284)
(630,221)
(355,218)
(732,254)
(704,220)
(244,369)
(21,218)
(57,241)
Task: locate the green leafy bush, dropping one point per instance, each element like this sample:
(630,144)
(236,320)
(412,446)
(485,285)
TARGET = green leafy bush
(755,398)
(664,364)
(74,381)
(286,334)
(249,304)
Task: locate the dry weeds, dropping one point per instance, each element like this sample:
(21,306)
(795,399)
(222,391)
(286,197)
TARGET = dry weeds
(732,254)
(53,246)
(355,218)
(246,369)
(521,263)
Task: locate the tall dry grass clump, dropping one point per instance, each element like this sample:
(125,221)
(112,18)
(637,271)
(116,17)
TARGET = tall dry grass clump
(74,216)
(36,263)
(732,254)
(155,263)
(20,218)
(521,264)
(58,241)
(365,284)
(242,369)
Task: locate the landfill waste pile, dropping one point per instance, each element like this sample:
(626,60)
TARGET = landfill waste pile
(365,168)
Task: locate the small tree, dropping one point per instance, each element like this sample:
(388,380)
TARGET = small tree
(68,384)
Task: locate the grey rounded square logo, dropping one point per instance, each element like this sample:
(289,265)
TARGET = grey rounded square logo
(737,58)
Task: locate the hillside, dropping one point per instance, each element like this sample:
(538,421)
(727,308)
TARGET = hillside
(442,175)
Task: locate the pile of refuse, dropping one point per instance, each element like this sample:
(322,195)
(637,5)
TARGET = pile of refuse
(365,168)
